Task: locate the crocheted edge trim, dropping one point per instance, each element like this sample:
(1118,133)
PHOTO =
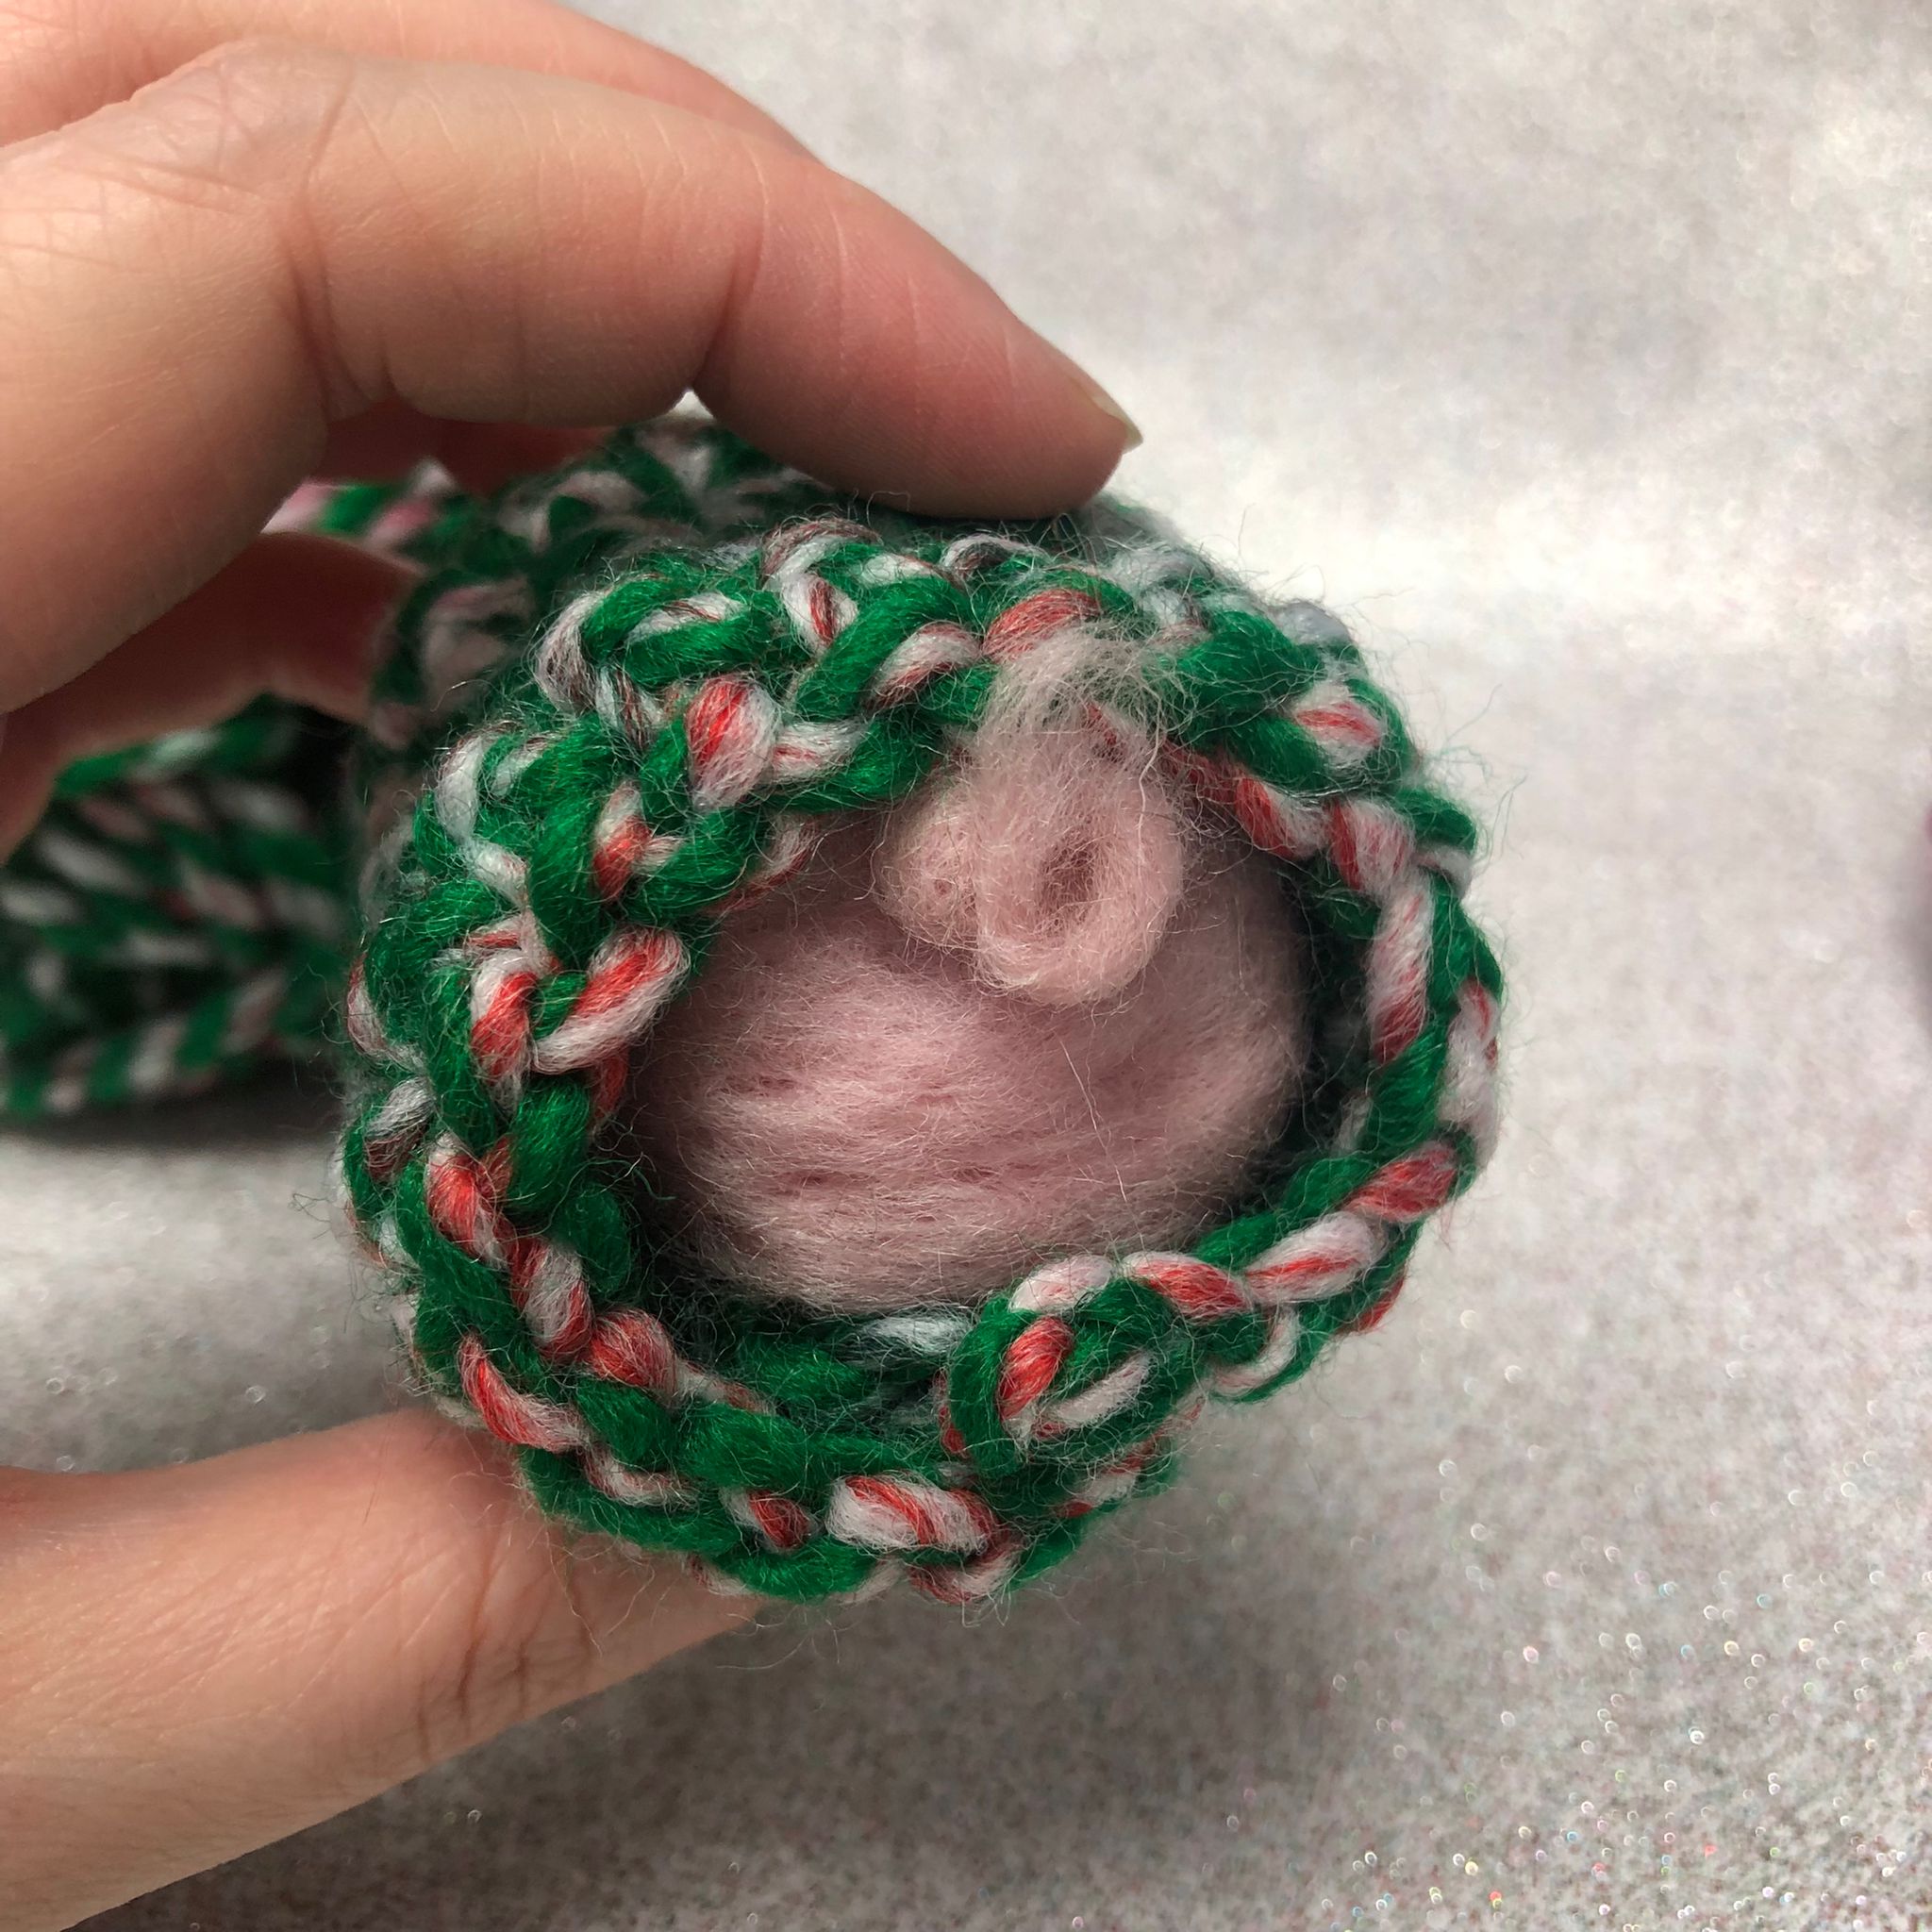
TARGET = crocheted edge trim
(741,742)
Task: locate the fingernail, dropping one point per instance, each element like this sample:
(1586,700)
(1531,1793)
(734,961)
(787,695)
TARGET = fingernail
(1107,407)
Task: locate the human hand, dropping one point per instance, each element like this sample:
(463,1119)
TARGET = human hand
(457,229)
(230,262)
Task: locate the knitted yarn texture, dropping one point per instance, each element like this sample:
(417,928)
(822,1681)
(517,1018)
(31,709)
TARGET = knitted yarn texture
(621,702)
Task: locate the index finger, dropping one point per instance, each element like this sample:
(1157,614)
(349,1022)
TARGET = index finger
(63,59)
(195,283)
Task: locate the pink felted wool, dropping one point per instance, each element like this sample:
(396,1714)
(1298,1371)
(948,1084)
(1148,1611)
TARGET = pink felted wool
(1036,1009)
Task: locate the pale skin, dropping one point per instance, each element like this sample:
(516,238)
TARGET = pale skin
(246,241)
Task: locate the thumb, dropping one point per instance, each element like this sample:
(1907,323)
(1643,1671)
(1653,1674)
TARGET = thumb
(198,1660)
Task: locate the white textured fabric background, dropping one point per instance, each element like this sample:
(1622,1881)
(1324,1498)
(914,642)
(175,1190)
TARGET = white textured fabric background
(1579,354)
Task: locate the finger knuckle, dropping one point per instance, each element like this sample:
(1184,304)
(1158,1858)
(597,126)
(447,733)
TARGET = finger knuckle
(249,115)
(239,123)
(520,1646)
(266,80)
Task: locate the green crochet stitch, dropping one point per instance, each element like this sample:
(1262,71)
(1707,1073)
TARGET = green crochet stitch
(620,698)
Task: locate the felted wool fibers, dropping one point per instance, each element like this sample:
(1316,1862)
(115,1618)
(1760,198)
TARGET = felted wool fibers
(867,1104)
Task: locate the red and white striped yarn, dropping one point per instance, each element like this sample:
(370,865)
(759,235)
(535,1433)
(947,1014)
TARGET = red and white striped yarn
(457,648)
(730,733)
(1327,1257)
(818,608)
(1345,729)
(792,838)
(615,501)
(1398,968)
(890,1515)
(980,551)
(611,496)
(734,729)
(81,862)
(463,1192)
(622,846)
(511,1414)
(567,677)
(927,652)
(898,1513)
(153,1068)
(636,1349)
(626,1346)
(630,976)
(1113,1482)
(808,749)
(930,651)
(1469,1098)
(643,1489)
(395,1130)
(1374,852)
(626,981)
